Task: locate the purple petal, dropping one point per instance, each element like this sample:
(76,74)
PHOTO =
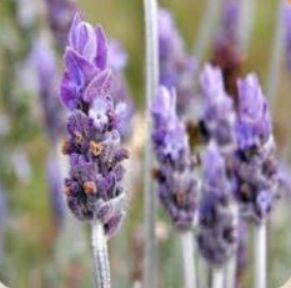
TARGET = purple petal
(101,56)
(99,86)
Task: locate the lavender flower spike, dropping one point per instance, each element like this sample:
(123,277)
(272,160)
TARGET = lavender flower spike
(177,69)
(219,116)
(177,183)
(93,188)
(175,175)
(218,231)
(255,164)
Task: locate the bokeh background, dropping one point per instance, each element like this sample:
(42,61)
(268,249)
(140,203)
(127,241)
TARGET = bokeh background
(35,251)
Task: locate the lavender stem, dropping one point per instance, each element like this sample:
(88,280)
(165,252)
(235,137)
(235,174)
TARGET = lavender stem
(187,245)
(99,244)
(230,272)
(152,76)
(217,278)
(277,51)
(206,28)
(260,255)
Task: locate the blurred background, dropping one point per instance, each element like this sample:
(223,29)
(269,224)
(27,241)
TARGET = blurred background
(37,248)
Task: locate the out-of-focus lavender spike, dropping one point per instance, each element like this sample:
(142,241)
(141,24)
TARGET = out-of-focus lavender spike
(219,116)
(21,165)
(218,231)
(94,186)
(44,62)
(55,187)
(117,60)
(255,167)
(276,54)
(60,14)
(255,163)
(177,69)
(227,52)
(206,27)
(177,184)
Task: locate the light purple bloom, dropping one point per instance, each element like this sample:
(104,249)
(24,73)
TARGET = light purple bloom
(44,62)
(177,69)
(218,231)
(255,163)
(86,74)
(177,183)
(94,187)
(219,115)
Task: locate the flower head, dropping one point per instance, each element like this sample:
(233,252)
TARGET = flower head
(217,236)
(255,164)
(94,186)
(86,74)
(177,183)
(177,69)
(254,123)
(219,115)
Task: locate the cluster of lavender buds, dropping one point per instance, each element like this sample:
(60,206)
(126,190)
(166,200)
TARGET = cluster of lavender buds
(218,230)
(287,26)
(219,116)
(227,53)
(177,69)
(255,164)
(44,62)
(60,15)
(178,185)
(93,188)
(117,59)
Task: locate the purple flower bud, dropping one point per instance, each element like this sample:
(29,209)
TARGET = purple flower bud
(218,231)
(86,76)
(177,69)
(178,185)
(94,186)
(255,164)
(254,123)
(219,116)
(44,62)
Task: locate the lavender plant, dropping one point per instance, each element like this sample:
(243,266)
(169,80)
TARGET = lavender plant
(218,229)
(218,110)
(255,165)
(93,188)
(177,184)
(177,69)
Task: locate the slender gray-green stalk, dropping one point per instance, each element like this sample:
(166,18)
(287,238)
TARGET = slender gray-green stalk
(260,255)
(187,245)
(247,17)
(277,52)
(206,28)
(152,78)
(99,244)
(217,278)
